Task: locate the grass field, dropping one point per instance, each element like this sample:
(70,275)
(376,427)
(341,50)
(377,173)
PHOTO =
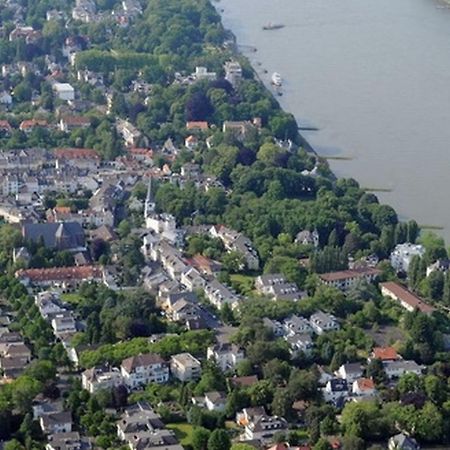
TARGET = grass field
(74,299)
(183,432)
(243,283)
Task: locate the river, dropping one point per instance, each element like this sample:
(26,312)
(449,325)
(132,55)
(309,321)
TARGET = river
(374,77)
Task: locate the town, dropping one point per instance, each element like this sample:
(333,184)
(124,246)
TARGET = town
(178,271)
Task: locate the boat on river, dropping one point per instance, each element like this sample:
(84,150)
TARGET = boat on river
(272,26)
(276,79)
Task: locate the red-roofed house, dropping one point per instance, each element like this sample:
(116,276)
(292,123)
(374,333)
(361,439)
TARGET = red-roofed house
(28,125)
(345,279)
(68,123)
(5,127)
(191,142)
(406,298)
(384,354)
(197,125)
(363,387)
(81,157)
(66,277)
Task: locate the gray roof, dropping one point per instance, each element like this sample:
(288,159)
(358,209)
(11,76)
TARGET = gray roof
(63,235)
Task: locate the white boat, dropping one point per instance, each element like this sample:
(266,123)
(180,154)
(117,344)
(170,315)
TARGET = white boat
(276,79)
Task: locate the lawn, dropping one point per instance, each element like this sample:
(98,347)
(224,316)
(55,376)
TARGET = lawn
(183,432)
(74,298)
(244,284)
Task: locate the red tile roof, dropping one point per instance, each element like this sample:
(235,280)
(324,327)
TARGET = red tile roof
(407,297)
(365,384)
(348,274)
(76,153)
(4,125)
(29,124)
(197,125)
(76,121)
(61,273)
(385,353)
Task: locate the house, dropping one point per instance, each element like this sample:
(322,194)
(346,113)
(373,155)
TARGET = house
(130,134)
(5,98)
(140,370)
(99,378)
(395,369)
(201,73)
(60,235)
(259,426)
(350,372)
(239,129)
(402,442)
(64,91)
(322,322)
(226,355)
(68,441)
(306,237)
(346,279)
(233,73)
(58,422)
(197,126)
(384,354)
(335,390)
(363,387)
(215,401)
(10,185)
(83,158)
(65,277)
(64,323)
(185,367)
(69,123)
(219,294)
(275,285)
(192,279)
(296,325)
(242,382)
(235,241)
(27,126)
(406,298)
(275,326)
(183,310)
(13,367)
(141,428)
(300,343)
(5,127)
(403,254)
(191,142)
(441,265)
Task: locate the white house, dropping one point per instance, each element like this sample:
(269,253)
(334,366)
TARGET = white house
(395,369)
(402,255)
(140,370)
(215,401)
(64,91)
(185,367)
(335,390)
(322,322)
(58,422)
(99,378)
(350,372)
(226,356)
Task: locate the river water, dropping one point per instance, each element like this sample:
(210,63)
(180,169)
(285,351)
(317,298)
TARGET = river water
(374,77)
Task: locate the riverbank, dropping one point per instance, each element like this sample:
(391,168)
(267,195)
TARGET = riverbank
(374,103)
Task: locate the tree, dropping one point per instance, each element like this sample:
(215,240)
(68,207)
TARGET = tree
(200,437)
(272,154)
(219,440)
(435,282)
(282,403)
(322,444)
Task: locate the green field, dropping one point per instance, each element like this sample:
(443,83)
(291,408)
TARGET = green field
(183,432)
(74,298)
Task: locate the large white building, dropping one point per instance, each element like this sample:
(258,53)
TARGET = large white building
(140,370)
(402,255)
(64,91)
